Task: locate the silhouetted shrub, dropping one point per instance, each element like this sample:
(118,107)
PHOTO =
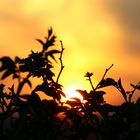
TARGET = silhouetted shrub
(26,116)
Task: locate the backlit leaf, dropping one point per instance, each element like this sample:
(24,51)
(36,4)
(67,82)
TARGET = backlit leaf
(107,82)
(84,93)
(73,103)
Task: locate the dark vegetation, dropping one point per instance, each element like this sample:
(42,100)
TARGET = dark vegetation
(25,116)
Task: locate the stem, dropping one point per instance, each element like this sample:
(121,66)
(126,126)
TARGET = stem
(107,69)
(2,106)
(21,84)
(134,91)
(61,63)
(91,84)
(125,97)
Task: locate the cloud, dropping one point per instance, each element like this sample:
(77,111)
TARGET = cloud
(128,13)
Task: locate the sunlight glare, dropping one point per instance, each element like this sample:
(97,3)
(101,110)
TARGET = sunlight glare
(71,92)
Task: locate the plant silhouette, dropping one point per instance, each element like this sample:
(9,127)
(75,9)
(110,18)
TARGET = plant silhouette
(26,116)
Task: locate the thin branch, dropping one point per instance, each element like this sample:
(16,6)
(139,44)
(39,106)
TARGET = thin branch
(61,62)
(88,75)
(132,92)
(21,84)
(107,69)
(91,83)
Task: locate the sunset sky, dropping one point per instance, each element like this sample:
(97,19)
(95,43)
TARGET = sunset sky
(95,34)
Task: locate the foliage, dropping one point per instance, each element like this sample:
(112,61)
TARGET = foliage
(26,116)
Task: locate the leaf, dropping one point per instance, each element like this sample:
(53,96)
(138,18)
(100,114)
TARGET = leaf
(88,74)
(84,94)
(7,73)
(49,42)
(109,107)
(50,106)
(25,96)
(40,41)
(57,96)
(138,101)
(43,87)
(50,31)
(51,54)
(107,82)
(76,99)
(73,103)
(136,86)
(130,97)
(2,87)
(62,93)
(15,76)
(17,59)
(97,96)
(34,99)
(28,82)
(7,63)
(122,89)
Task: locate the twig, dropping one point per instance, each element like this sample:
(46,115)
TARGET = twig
(21,84)
(88,75)
(61,62)
(132,92)
(91,84)
(107,69)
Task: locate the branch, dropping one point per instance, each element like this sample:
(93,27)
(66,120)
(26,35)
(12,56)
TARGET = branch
(21,84)
(88,75)
(61,63)
(107,69)
(132,92)
(91,84)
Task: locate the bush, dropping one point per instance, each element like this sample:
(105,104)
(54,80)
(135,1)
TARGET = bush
(26,116)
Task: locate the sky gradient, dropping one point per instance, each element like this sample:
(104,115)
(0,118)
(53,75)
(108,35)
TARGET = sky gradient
(95,34)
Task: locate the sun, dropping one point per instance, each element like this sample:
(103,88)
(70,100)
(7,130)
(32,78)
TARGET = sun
(71,92)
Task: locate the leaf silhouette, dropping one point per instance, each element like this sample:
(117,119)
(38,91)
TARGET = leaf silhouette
(73,103)
(28,82)
(61,93)
(15,76)
(136,86)
(7,73)
(1,87)
(84,94)
(76,99)
(51,53)
(107,82)
(88,74)
(122,89)
(40,41)
(50,106)
(49,42)
(97,96)
(53,119)
(50,31)
(7,63)
(17,59)
(9,67)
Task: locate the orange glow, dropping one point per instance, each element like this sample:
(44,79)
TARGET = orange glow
(94,37)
